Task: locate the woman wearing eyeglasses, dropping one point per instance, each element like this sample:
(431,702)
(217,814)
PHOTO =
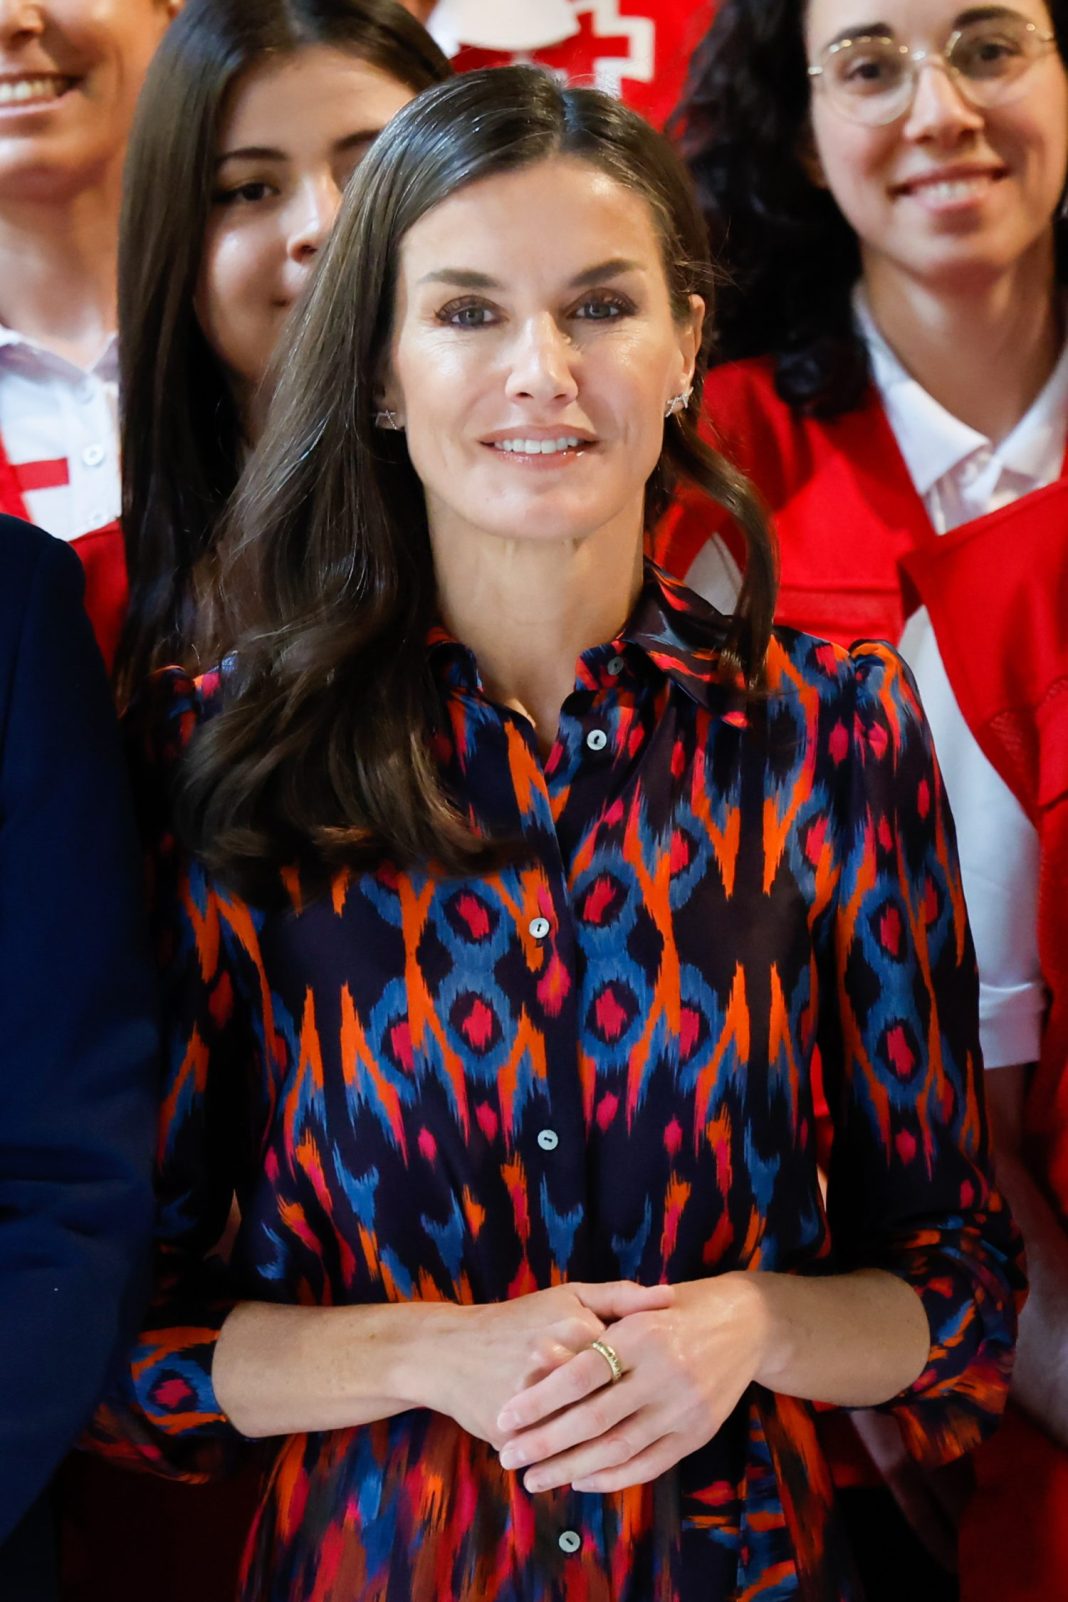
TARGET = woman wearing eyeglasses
(886,198)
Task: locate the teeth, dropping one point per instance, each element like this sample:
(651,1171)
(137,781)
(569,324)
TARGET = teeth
(957,188)
(15,91)
(538,447)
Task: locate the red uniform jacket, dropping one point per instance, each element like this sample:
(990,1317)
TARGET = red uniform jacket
(858,553)
(844,505)
(101,552)
(1005,649)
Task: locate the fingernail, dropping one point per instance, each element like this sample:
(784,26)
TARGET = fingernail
(506,1420)
(534,1482)
(511,1457)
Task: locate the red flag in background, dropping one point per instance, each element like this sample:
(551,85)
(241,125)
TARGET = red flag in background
(637,49)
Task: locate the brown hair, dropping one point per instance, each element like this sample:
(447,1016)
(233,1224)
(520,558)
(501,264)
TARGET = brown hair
(181,436)
(322,752)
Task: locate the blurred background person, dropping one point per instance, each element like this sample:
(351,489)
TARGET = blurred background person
(888,205)
(70,72)
(79,1065)
(252,121)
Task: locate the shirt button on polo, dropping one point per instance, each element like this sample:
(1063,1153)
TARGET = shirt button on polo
(93,455)
(548,1139)
(615,667)
(570,1541)
(596,740)
(539,927)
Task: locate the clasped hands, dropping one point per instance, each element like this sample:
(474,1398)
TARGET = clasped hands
(688,1353)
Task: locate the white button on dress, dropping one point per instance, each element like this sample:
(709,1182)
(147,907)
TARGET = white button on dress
(596,740)
(539,927)
(548,1139)
(570,1541)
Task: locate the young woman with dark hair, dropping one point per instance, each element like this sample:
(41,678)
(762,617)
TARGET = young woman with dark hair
(888,205)
(504,890)
(250,124)
(70,71)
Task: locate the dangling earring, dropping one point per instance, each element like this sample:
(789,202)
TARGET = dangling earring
(388,419)
(678,403)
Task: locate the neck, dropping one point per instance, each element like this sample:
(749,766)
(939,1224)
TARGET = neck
(529,609)
(58,271)
(984,350)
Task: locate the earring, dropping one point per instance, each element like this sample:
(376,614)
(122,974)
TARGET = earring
(678,403)
(388,419)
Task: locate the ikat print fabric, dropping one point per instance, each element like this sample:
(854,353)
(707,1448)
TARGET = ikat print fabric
(597,1064)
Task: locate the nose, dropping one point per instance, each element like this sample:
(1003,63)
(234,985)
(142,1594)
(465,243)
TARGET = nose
(940,112)
(20,17)
(315,210)
(542,363)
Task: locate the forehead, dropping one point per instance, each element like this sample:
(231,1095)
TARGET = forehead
(290,96)
(909,20)
(552,218)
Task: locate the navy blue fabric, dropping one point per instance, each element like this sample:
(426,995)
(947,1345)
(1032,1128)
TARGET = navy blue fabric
(78,1038)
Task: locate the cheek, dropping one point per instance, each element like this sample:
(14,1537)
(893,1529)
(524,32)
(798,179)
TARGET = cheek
(853,160)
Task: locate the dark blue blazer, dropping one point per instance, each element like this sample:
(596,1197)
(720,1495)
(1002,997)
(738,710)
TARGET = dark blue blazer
(78,1043)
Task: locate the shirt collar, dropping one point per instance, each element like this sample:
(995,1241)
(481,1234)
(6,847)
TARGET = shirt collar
(106,366)
(674,629)
(933,442)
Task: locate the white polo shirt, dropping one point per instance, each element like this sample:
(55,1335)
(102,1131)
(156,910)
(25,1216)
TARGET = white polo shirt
(960,475)
(60,430)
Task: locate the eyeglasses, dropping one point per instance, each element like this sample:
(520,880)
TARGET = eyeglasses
(872,79)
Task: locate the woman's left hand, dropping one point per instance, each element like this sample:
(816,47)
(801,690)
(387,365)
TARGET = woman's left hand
(685,1368)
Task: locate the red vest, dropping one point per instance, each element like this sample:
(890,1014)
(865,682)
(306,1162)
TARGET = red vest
(1005,647)
(858,553)
(102,554)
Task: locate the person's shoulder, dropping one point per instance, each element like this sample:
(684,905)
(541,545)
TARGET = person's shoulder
(871,670)
(25,552)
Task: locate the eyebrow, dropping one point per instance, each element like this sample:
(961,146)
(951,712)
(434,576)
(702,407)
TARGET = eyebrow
(883,30)
(363,136)
(464,278)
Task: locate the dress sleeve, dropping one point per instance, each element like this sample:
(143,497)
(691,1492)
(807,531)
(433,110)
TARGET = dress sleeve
(910,1185)
(164,1415)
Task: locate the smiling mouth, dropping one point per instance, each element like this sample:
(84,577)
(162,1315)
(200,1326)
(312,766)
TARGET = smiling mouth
(34,91)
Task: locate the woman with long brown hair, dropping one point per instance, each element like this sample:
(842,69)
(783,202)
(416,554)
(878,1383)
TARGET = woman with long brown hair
(247,131)
(504,892)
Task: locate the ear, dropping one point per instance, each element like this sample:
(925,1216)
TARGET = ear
(389,403)
(808,157)
(690,333)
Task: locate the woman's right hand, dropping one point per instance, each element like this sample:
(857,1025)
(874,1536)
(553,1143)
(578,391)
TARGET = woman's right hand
(471,1360)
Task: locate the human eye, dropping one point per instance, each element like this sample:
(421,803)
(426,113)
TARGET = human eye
(248,193)
(991,51)
(868,66)
(467,313)
(603,306)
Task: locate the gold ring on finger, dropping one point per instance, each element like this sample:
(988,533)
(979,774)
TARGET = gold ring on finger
(611,1357)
